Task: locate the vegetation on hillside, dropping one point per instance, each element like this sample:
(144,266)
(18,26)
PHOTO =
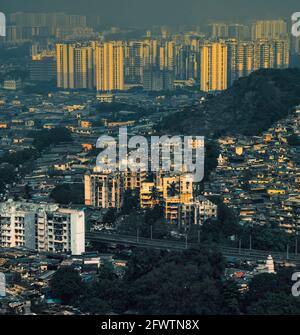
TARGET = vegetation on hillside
(175,283)
(249,107)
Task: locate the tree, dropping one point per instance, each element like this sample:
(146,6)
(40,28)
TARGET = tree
(105,294)
(131,202)
(231,296)
(153,215)
(66,284)
(267,238)
(110,216)
(155,195)
(19,157)
(7,176)
(141,262)
(173,189)
(44,138)
(176,283)
(226,225)
(269,283)
(275,304)
(65,194)
(270,294)
(94,305)
(294,140)
(27,192)
(212,153)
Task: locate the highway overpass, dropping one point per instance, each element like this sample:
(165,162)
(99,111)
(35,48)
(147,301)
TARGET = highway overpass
(239,253)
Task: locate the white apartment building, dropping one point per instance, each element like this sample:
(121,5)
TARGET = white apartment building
(42,227)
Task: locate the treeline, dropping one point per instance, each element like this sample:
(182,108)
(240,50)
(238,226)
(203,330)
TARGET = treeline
(175,283)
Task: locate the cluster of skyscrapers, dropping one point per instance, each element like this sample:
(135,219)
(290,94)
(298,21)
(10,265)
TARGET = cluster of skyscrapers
(161,63)
(157,61)
(108,66)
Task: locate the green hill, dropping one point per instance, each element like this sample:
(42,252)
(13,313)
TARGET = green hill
(249,107)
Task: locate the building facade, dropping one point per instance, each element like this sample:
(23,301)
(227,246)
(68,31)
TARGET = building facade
(75,66)
(269,29)
(214,67)
(42,227)
(103,189)
(42,67)
(109,67)
(196,212)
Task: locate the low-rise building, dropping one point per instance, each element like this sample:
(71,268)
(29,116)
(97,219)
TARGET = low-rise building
(12,84)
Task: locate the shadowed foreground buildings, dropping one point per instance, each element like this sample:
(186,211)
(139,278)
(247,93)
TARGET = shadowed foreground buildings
(196,212)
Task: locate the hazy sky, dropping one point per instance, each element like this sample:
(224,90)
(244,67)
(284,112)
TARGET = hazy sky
(151,12)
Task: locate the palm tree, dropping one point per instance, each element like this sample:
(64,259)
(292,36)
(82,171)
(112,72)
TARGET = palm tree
(155,196)
(173,189)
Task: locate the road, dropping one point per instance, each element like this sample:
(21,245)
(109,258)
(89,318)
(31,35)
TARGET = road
(242,254)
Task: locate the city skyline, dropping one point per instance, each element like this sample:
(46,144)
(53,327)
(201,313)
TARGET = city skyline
(149,159)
